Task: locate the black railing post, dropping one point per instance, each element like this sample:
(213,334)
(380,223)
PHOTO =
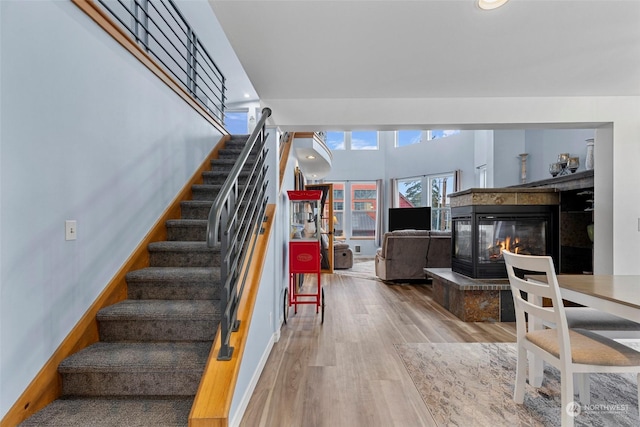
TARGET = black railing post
(226,351)
(192,52)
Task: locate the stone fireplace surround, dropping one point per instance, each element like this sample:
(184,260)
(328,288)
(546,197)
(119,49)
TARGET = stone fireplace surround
(489,298)
(480,300)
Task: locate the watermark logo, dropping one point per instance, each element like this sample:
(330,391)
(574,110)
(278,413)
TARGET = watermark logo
(573,409)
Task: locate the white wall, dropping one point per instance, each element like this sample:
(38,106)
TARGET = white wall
(86,133)
(483,156)
(507,145)
(544,146)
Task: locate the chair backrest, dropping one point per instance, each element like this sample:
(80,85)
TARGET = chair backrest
(546,286)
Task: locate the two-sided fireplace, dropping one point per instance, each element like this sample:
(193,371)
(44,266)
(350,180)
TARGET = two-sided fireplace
(486,221)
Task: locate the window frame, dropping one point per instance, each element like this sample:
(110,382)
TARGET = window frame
(355,219)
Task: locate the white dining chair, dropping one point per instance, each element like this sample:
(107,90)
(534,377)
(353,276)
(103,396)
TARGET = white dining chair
(601,323)
(571,351)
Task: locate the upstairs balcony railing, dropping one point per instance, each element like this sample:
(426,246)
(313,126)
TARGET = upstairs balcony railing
(162,31)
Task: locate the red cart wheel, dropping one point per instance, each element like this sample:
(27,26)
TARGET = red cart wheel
(285,305)
(322,308)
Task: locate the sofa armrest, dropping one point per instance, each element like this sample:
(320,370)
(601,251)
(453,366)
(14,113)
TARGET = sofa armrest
(439,252)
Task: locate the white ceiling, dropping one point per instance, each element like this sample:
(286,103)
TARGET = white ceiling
(323,50)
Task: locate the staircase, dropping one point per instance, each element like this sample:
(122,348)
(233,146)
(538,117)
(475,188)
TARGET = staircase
(146,368)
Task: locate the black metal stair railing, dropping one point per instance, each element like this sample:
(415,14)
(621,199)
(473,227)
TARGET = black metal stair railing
(234,221)
(162,31)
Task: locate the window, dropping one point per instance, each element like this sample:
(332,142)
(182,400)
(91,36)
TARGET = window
(335,140)
(364,194)
(441,186)
(408,137)
(338,209)
(236,122)
(363,212)
(363,206)
(410,194)
(437,134)
(364,140)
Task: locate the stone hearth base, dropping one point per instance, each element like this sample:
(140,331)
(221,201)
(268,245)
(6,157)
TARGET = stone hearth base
(472,300)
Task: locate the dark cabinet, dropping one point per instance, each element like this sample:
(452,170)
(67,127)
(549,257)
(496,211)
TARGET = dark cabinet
(576,214)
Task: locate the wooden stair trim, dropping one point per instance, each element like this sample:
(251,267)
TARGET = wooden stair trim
(121,36)
(284,158)
(47,384)
(213,400)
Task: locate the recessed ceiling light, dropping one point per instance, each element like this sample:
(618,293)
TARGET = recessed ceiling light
(491,4)
(246,95)
(310,157)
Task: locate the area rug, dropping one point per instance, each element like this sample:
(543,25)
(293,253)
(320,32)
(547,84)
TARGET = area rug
(471,384)
(363,268)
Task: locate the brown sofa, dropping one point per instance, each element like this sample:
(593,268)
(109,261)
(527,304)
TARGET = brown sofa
(404,254)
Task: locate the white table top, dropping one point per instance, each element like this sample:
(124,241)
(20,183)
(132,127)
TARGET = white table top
(615,294)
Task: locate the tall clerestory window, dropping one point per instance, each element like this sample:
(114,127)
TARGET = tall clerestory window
(410,137)
(335,140)
(364,140)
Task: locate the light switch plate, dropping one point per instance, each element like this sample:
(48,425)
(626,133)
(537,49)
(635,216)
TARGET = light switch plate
(70,229)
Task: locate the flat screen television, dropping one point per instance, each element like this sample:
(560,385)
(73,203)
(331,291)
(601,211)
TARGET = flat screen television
(410,218)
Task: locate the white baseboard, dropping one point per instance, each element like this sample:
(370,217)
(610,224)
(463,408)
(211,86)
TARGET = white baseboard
(244,402)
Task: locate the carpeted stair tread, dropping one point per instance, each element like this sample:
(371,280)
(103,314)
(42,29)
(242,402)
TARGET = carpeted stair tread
(227,163)
(191,230)
(221,162)
(101,412)
(138,357)
(183,254)
(208,191)
(234,152)
(210,187)
(175,274)
(187,222)
(170,246)
(193,248)
(195,209)
(207,187)
(218,176)
(224,173)
(161,310)
(166,283)
(159,320)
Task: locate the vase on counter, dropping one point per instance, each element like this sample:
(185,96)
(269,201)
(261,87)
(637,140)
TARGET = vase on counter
(588,164)
(523,168)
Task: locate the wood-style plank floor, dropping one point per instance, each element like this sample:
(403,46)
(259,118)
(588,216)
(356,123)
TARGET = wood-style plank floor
(346,371)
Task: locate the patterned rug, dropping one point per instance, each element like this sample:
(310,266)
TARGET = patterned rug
(471,384)
(363,268)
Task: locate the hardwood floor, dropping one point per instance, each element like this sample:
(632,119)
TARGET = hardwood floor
(346,371)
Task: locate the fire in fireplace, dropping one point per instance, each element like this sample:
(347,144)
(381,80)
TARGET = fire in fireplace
(481,232)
